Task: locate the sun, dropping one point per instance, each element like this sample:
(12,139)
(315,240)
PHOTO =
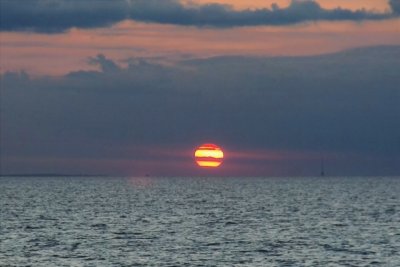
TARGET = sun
(209,155)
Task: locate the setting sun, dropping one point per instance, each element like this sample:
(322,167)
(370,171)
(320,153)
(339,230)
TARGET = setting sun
(209,155)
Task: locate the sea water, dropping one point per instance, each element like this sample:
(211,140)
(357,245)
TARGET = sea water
(144,221)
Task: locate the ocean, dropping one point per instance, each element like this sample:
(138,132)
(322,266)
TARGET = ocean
(144,221)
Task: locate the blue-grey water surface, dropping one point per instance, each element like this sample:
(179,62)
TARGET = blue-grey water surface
(94,221)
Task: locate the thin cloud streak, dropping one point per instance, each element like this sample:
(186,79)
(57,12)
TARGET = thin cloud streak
(58,16)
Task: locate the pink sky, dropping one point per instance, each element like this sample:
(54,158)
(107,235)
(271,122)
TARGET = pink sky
(57,54)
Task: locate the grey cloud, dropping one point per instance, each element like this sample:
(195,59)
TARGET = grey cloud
(395,6)
(224,16)
(345,103)
(105,64)
(53,16)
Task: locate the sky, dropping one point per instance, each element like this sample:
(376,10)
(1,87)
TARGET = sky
(132,87)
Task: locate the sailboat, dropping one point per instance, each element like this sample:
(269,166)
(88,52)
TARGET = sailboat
(322,167)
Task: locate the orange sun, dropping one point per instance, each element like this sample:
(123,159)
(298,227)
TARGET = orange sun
(209,155)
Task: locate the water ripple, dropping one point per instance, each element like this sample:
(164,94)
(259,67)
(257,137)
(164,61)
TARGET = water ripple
(200,222)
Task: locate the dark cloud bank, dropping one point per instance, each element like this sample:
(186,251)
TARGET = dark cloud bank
(53,16)
(340,104)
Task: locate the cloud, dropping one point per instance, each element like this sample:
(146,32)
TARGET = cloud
(346,103)
(395,6)
(54,16)
(217,15)
(105,64)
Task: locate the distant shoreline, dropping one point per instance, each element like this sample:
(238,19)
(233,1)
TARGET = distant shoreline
(52,174)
